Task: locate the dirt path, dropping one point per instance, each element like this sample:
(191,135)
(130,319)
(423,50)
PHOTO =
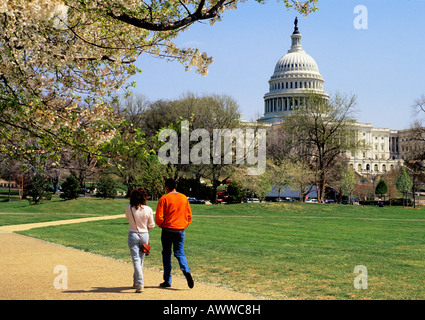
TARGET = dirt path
(32,269)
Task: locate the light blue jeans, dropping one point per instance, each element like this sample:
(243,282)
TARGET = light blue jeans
(136,255)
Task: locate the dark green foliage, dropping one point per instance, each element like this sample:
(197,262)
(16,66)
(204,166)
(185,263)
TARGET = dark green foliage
(194,188)
(235,193)
(381,188)
(37,189)
(71,188)
(106,188)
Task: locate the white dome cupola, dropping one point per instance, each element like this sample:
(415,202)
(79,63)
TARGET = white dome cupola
(295,74)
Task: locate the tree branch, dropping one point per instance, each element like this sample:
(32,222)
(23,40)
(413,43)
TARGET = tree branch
(168,26)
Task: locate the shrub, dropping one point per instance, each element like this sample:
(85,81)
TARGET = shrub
(71,188)
(235,193)
(381,189)
(38,189)
(106,188)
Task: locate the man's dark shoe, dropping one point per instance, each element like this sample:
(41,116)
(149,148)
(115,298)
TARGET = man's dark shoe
(165,285)
(189,279)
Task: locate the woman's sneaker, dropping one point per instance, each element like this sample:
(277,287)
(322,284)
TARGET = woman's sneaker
(139,289)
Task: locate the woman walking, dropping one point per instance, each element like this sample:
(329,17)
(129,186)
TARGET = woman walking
(140,218)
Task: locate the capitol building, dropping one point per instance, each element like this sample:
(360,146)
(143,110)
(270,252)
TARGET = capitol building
(297,71)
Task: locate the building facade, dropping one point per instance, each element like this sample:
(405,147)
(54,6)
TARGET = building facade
(380,153)
(297,73)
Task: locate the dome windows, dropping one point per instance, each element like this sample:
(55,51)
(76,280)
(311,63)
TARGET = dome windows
(282,85)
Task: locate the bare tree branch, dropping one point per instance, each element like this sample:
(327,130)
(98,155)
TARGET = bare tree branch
(189,19)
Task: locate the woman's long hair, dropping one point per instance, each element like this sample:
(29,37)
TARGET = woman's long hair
(138,196)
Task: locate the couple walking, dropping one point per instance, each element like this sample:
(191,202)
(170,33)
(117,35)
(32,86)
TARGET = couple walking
(173,215)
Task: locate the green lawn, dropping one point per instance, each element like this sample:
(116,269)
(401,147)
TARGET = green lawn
(4,194)
(273,250)
(58,209)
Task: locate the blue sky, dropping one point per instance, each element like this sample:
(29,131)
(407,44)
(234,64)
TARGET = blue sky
(384,65)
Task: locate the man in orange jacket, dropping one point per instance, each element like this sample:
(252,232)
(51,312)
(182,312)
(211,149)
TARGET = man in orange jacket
(173,215)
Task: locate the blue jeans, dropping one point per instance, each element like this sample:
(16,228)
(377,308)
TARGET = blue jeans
(136,255)
(176,240)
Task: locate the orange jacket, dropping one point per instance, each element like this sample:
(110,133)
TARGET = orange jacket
(173,211)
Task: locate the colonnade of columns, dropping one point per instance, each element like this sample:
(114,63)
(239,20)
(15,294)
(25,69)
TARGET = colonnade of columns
(281,104)
(394,144)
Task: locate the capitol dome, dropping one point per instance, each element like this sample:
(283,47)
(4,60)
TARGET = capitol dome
(295,75)
(296,61)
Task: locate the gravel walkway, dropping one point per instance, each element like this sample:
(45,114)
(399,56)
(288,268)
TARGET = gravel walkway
(32,269)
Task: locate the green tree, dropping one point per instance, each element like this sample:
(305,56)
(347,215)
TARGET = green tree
(253,185)
(234,193)
(152,176)
(381,188)
(128,151)
(106,188)
(71,188)
(404,184)
(38,189)
(348,182)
